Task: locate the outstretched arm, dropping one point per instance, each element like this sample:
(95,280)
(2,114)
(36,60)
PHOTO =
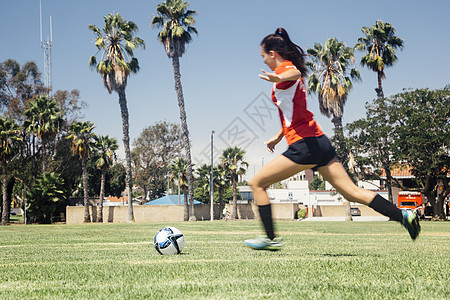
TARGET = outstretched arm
(274,141)
(291,74)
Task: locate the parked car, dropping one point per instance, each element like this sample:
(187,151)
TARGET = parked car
(355,212)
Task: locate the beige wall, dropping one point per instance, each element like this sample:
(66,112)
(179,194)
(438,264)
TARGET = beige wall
(142,213)
(174,213)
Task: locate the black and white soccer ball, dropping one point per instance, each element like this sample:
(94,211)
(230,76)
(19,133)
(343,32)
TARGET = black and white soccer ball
(168,241)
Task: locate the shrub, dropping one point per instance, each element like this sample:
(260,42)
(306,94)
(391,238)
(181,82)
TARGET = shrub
(301,213)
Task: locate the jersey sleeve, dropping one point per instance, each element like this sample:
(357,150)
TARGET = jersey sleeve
(286,65)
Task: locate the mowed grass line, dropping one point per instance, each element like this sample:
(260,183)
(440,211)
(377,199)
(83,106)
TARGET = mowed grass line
(320,260)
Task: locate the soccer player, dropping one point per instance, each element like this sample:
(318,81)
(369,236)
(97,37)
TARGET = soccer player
(308,146)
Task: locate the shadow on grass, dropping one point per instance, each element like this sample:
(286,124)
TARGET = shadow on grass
(338,254)
(348,255)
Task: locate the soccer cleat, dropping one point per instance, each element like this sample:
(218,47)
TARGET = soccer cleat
(411,222)
(264,243)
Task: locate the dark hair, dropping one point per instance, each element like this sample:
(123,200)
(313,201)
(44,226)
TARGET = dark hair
(281,43)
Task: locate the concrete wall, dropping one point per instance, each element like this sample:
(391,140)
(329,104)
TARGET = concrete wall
(175,213)
(142,213)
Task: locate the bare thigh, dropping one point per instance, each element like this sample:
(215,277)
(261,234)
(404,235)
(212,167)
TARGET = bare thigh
(278,169)
(337,176)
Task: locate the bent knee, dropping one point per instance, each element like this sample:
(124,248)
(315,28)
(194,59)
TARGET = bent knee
(255,184)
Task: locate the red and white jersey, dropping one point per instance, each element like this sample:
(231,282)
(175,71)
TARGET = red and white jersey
(290,98)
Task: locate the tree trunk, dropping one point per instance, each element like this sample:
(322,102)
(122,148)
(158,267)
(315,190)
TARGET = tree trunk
(387,170)
(343,153)
(126,144)
(234,214)
(44,157)
(9,193)
(379,90)
(5,209)
(186,205)
(102,196)
(145,187)
(187,144)
(221,204)
(87,217)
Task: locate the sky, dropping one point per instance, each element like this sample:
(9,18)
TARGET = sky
(220,68)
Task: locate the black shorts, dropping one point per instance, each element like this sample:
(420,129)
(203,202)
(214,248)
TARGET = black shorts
(311,151)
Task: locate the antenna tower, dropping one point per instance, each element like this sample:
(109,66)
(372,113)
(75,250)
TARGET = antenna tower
(46,46)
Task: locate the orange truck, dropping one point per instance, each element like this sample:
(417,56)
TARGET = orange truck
(411,201)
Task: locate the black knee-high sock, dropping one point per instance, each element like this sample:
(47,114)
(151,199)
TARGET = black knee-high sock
(386,208)
(265,212)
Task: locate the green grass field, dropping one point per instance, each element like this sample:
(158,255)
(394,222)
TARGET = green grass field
(320,260)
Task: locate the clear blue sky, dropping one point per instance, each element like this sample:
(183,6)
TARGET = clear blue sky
(220,67)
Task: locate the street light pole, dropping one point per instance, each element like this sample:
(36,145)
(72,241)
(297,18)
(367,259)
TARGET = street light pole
(211,196)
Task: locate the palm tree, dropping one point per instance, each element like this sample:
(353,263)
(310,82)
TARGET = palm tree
(330,79)
(9,134)
(178,173)
(233,162)
(221,182)
(117,63)
(202,181)
(379,42)
(43,118)
(176,22)
(106,147)
(82,141)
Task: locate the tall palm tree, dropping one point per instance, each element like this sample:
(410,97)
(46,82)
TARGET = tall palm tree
(106,147)
(82,142)
(379,42)
(233,162)
(176,22)
(178,173)
(117,43)
(331,79)
(9,134)
(221,182)
(43,118)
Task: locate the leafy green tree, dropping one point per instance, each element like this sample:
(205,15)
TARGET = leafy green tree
(116,178)
(176,22)
(233,161)
(117,42)
(44,196)
(106,148)
(178,173)
(155,148)
(379,43)
(18,86)
(70,105)
(43,118)
(422,137)
(68,166)
(9,135)
(82,143)
(317,184)
(371,142)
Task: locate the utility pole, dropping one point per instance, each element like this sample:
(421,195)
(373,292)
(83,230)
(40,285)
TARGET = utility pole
(211,190)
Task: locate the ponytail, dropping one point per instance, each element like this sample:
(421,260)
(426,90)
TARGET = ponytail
(281,43)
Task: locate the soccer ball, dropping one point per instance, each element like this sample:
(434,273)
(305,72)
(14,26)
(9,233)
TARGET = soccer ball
(168,241)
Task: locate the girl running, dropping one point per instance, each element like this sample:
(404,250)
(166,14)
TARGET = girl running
(308,146)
